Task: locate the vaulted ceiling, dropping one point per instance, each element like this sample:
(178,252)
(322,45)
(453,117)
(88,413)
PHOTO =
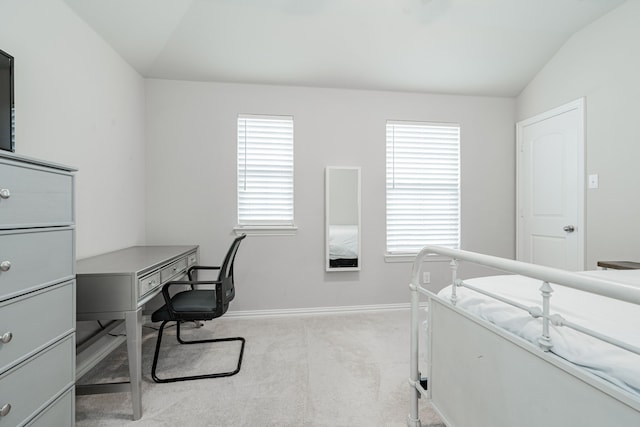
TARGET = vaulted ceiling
(471,47)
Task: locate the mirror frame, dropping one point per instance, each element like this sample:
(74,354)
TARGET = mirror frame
(358,201)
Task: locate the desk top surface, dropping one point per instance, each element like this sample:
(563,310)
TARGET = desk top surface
(131,260)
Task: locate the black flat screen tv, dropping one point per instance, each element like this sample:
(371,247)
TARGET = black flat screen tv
(7,128)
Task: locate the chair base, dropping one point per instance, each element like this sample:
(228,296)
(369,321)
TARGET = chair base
(181,341)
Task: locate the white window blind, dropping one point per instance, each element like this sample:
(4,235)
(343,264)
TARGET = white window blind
(423,186)
(265,170)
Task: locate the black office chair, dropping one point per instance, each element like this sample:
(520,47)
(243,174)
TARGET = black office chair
(198,305)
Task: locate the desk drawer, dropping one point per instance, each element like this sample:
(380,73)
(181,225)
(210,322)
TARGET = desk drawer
(34,196)
(147,284)
(173,270)
(192,259)
(35,258)
(29,330)
(33,385)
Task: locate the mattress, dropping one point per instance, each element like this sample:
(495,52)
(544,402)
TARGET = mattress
(613,318)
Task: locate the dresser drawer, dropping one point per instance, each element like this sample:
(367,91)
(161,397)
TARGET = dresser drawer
(21,319)
(60,414)
(31,386)
(34,258)
(34,196)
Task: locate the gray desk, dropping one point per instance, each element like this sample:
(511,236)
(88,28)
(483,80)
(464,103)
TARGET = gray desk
(116,286)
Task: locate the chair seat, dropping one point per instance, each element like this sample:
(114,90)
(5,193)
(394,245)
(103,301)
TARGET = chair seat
(199,303)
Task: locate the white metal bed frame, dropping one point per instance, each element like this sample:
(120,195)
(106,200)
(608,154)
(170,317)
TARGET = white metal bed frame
(478,374)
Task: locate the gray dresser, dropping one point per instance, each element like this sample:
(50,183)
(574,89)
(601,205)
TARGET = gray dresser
(37,293)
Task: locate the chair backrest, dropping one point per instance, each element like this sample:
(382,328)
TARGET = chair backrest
(226,272)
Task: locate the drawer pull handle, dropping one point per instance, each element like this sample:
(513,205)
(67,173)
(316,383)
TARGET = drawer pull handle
(5,265)
(5,193)
(6,337)
(6,408)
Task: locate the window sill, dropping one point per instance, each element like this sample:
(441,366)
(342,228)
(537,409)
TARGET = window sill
(412,257)
(265,230)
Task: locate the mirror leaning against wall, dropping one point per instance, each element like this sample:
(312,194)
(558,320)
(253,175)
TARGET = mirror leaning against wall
(342,216)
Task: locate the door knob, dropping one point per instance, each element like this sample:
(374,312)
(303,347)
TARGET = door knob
(569,228)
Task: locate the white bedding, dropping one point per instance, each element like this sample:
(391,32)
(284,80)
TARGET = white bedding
(608,316)
(343,241)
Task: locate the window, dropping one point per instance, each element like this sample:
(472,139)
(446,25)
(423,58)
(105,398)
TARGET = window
(265,172)
(423,186)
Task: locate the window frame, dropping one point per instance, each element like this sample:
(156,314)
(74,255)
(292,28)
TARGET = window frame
(264,226)
(409,254)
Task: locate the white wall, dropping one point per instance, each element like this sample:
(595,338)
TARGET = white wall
(191,183)
(602,63)
(78,103)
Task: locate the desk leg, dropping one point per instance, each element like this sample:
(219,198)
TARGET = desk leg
(133,321)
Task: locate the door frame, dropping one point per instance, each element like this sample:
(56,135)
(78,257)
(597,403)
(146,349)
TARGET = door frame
(579,105)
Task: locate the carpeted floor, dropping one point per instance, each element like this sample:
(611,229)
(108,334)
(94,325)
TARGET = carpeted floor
(321,370)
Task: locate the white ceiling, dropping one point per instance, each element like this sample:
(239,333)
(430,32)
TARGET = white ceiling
(472,47)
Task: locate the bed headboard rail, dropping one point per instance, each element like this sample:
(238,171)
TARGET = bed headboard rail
(594,285)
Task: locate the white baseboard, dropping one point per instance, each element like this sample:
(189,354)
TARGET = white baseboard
(318,310)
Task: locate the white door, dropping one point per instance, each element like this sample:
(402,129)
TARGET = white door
(551,188)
